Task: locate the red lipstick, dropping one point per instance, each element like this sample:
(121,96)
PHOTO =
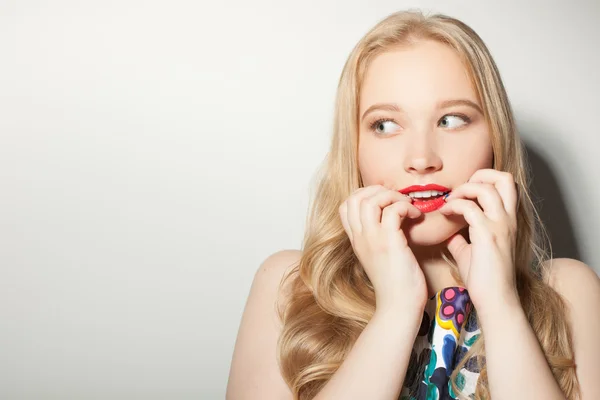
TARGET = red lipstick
(427,205)
(420,188)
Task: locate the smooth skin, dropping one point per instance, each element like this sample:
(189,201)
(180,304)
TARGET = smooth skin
(427,141)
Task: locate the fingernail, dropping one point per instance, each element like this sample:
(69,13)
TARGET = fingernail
(446,196)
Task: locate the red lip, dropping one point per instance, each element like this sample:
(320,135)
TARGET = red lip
(419,188)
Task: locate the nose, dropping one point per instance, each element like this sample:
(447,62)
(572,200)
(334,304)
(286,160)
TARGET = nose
(422,156)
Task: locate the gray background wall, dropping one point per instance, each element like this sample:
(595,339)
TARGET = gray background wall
(154,153)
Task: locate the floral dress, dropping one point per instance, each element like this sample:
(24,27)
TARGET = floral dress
(448,329)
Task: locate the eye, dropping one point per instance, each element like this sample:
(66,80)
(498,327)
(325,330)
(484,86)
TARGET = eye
(450,117)
(380,123)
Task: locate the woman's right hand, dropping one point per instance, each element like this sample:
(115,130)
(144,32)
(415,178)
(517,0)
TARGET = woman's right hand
(372,218)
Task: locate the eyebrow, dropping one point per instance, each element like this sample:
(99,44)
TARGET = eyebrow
(440,105)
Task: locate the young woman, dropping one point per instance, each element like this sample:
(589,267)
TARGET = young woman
(423,273)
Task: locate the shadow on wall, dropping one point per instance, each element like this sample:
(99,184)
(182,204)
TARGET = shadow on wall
(551,206)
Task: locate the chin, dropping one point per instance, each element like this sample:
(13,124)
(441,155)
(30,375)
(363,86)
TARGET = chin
(432,228)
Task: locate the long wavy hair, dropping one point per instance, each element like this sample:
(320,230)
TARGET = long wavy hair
(330,298)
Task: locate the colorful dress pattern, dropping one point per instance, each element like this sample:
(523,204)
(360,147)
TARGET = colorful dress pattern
(448,329)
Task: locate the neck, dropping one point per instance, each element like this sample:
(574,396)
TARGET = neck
(436,270)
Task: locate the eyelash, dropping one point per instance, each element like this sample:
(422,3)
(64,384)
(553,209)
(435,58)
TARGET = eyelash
(378,121)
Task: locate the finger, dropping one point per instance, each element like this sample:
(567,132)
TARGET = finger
(354,206)
(371,207)
(505,185)
(470,212)
(487,196)
(457,245)
(394,214)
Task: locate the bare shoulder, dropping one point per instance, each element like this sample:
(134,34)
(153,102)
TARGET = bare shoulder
(571,277)
(276,266)
(254,372)
(579,285)
(576,282)
(268,279)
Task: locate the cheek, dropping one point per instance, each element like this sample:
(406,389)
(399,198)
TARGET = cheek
(375,165)
(469,156)
(484,155)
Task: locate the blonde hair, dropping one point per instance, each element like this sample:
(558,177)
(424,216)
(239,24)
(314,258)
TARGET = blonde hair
(331,299)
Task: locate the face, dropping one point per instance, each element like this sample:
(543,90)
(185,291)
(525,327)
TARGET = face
(427,140)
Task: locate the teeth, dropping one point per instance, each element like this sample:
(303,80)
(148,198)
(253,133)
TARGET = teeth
(425,194)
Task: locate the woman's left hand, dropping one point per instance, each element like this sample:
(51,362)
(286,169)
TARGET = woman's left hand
(487,264)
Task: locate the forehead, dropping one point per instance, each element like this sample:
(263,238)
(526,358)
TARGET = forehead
(416,77)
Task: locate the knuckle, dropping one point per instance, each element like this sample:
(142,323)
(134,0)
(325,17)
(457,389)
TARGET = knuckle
(367,202)
(387,212)
(402,205)
(402,208)
(471,206)
(353,201)
(390,207)
(488,189)
(471,210)
(357,193)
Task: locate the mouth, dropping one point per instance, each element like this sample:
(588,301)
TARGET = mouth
(427,198)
